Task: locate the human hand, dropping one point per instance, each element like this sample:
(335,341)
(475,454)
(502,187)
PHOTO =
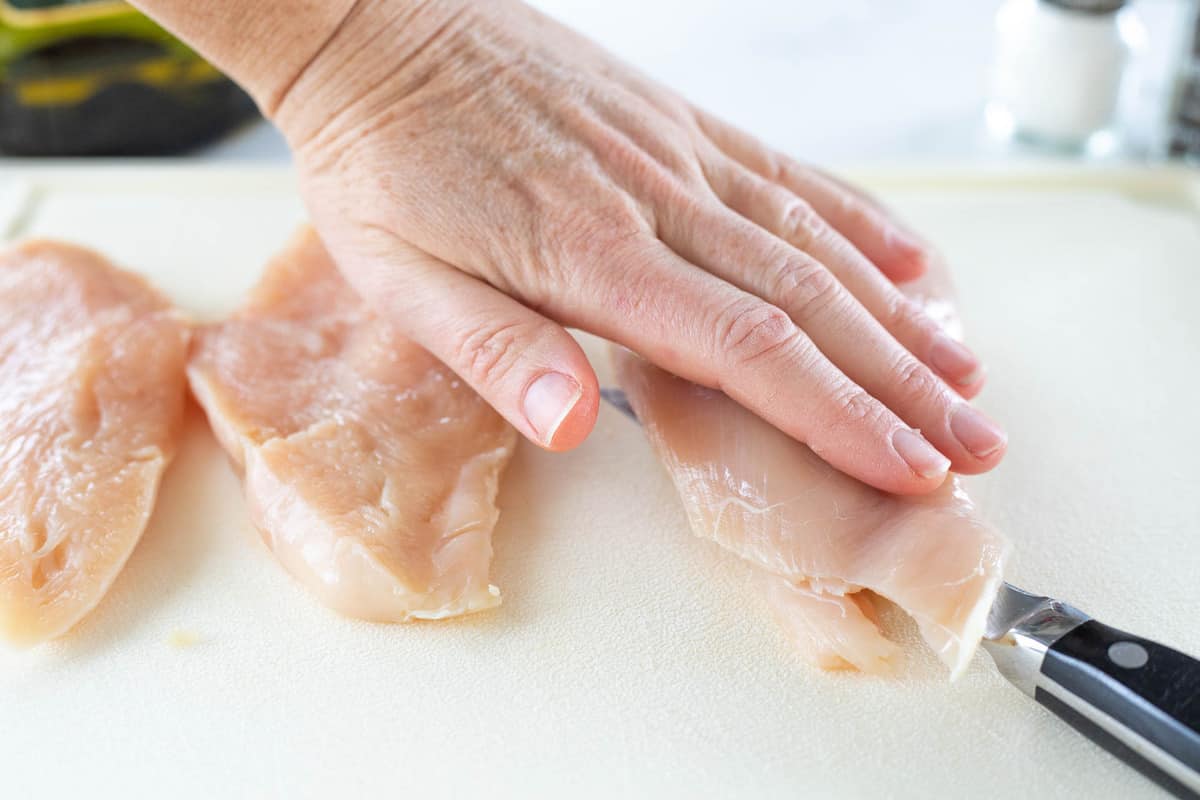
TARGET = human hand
(485,176)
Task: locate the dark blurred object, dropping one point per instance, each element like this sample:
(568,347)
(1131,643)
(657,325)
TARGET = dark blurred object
(95,77)
(1185,116)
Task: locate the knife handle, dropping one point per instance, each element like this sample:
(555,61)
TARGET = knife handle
(1138,699)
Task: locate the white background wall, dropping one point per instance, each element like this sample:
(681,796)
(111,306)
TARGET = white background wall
(842,81)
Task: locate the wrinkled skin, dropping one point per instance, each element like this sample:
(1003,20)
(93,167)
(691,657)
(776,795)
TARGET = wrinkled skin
(485,176)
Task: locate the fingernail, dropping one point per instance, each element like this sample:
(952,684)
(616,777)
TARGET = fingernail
(548,401)
(955,361)
(978,434)
(919,454)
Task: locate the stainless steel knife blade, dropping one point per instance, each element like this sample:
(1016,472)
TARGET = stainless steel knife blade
(1020,627)
(617,399)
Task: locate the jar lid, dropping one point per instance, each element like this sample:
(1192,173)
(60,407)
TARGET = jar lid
(1089,6)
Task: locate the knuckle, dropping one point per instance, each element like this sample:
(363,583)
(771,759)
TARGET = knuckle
(487,352)
(907,318)
(913,382)
(803,286)
(752,330)
(781,168)
(642,169)
(800,224)
(581,244)
(587,235)
(852,406)
(655,165)
(690,216)
(629,288)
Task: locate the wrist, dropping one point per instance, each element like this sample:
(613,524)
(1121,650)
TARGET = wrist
(381,52)
(264,45)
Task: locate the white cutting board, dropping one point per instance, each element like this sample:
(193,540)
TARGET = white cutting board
(629,658)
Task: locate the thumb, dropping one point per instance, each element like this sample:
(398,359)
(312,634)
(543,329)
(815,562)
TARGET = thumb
(526,366)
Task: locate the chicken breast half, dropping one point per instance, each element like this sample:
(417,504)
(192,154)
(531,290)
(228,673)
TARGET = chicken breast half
(370,469)
(91,401)
(819,538)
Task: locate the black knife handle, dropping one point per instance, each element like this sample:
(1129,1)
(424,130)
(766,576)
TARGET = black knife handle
(1147,696)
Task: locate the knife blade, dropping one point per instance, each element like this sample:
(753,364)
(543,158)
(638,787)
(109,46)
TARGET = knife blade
(1138,699)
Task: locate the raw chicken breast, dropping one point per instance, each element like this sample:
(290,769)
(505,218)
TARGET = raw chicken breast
(91,401)
(817,536)
(370,469)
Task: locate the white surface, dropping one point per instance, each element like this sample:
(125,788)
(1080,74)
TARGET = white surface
(630,659)
(848,81)
(14,198)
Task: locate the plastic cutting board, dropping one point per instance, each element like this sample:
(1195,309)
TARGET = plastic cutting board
(628,658)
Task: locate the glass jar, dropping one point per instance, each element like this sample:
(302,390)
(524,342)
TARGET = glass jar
(1058,68)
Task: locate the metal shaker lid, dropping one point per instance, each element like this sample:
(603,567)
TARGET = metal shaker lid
(1089,6)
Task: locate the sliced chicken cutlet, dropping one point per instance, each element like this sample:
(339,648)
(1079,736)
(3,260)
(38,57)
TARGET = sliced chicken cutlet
(817,537)
(370,469)
(91,402)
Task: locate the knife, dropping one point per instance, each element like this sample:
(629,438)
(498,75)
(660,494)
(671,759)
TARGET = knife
(1138,699)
